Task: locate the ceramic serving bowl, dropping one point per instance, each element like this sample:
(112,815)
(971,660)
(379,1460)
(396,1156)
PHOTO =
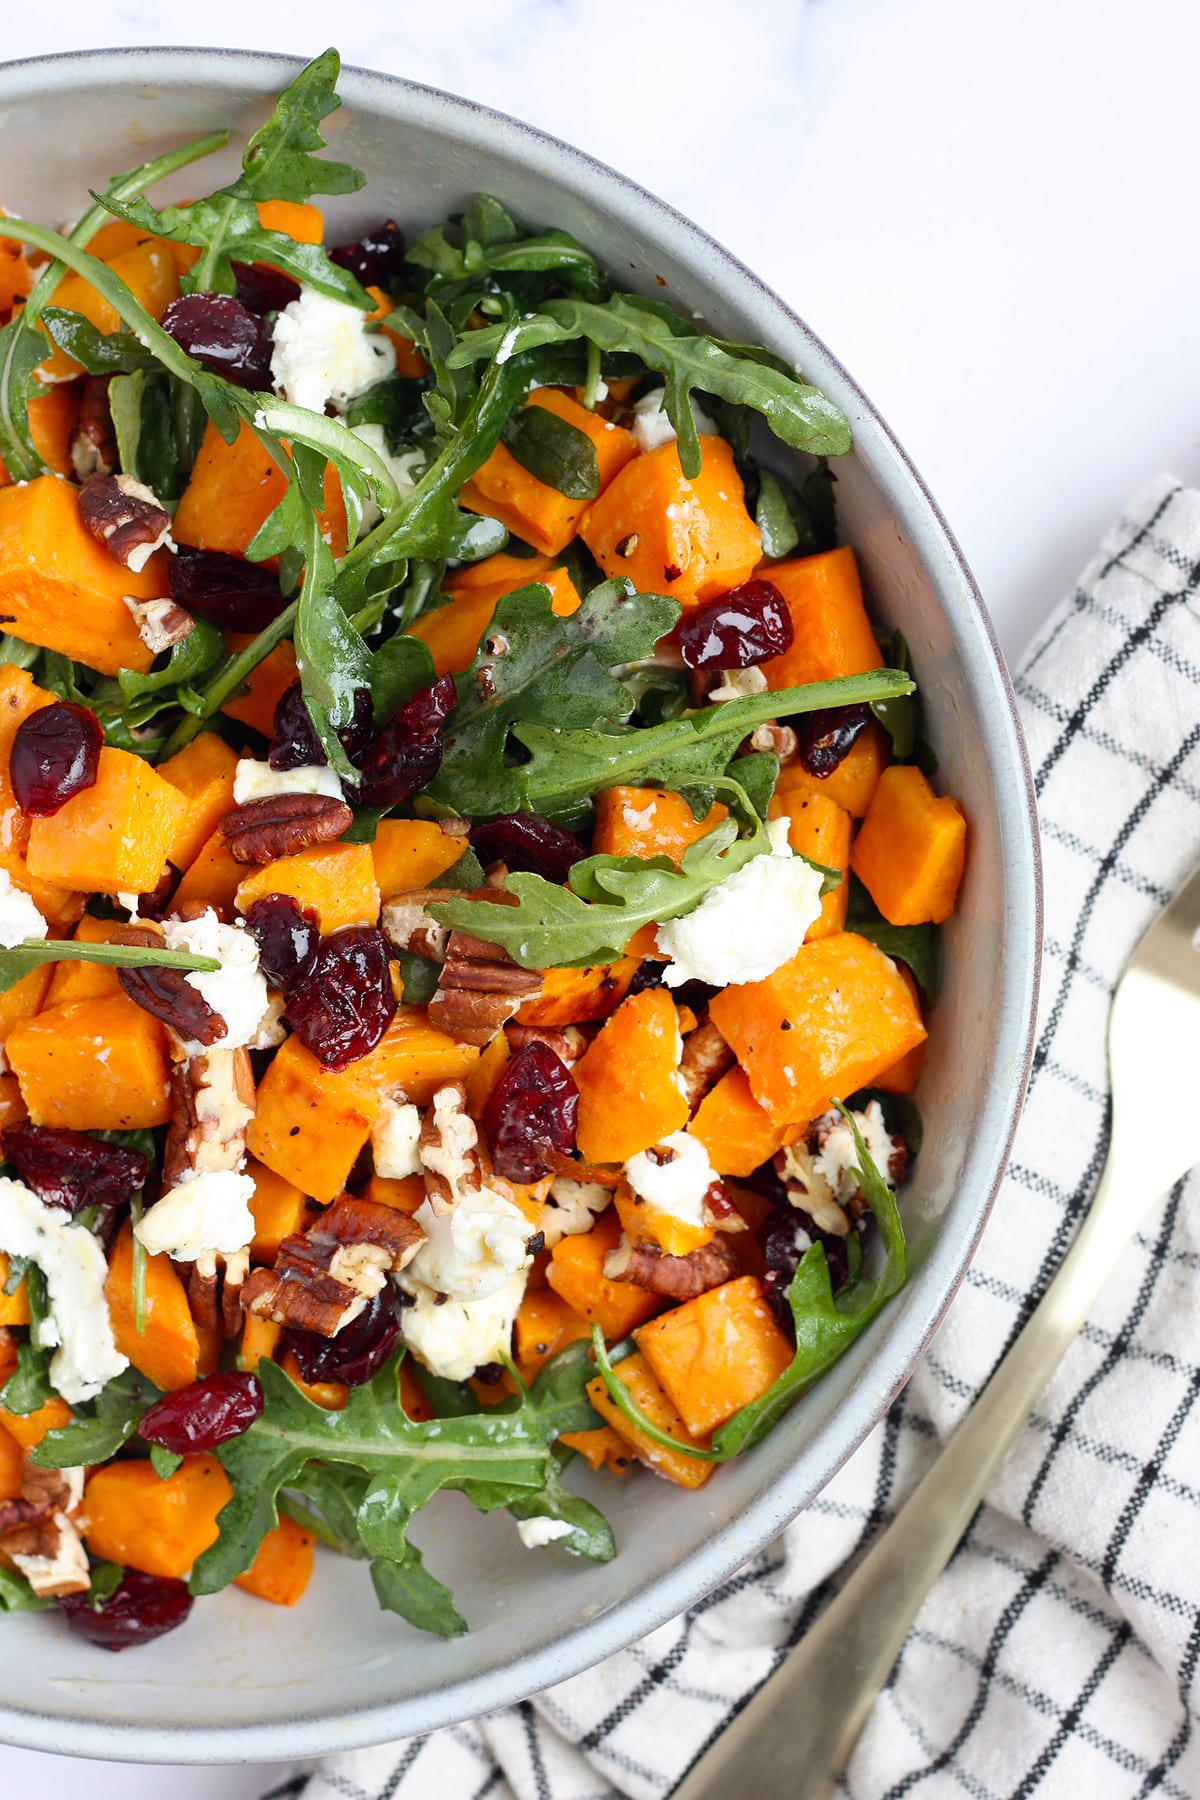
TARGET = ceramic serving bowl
(246,1680)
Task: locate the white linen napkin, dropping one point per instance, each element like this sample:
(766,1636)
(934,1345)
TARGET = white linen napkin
(1057,1656)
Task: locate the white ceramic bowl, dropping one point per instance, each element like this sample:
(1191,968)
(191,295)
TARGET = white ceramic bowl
(244,1680)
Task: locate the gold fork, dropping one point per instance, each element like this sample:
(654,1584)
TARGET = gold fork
(795,1735)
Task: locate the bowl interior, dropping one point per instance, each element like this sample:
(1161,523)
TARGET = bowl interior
(248,1680)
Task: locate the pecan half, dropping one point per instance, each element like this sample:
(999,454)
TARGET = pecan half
(677,1277)
(214,1292)
(160,623)
(449,1148)
(706,1057)
(323,1280)
(212,1102)
(125,517)
(93,441)
(282,824)
(42,1538)
(168,995)
(480,989)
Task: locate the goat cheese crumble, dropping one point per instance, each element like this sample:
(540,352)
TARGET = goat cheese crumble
(396,1140)
(237,990)
(324,353)
(572,1207)
(749,925)
(652,427)
(259,781)
(208,1213)
(19,917)
(474,1247)
(75,1269)
(453,1337)
(533,1533)
(677,1182)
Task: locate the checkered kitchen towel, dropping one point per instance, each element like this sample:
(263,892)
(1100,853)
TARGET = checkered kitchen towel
(1057,1656)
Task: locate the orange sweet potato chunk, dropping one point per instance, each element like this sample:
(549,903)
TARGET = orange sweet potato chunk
(600,1448)
(576,1274)
(52,418)
(233,488)
(539,514)
(16,277)
(13,1110)
(851,785)
(71,981)
(411,853)
(30,1428)
(336,880)
(283,1565)
(716,1353)
(822,1026)
(911,849)
(279,1210)
(96,1065)
(310,1123)
(149,271)
(14,1307)
(646,822)
(203,772)
(12,1465)
(61,588)
(693,540)
(673,1465)
(19,697)
(545,1324)
(212,879)
(254,702)
(167,1351)
(161,1527)
(738,1134)
(452,632)
(831,631)
(24,999)
(819,829)
(260,1340)
(578,996)
(113,837)
(628,1080)
(413,1055)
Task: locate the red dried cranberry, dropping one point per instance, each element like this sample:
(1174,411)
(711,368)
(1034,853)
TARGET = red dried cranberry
(224,335)
(55,754)
(231,592)
(534,1104)
(823,738)
(407,753)
(343,1002)
(263,289)
(204,1414)
(72,1170)
(694,994)
(358,1351)
(740,629)
(287,935)
(527,841)
(295,744)
(785,1237)
(141,1608)
(376,258)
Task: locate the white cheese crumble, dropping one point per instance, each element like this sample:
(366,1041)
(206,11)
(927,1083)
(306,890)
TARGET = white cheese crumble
(749,925)
(533,1533)
(678,1184)
(324,353)
(237,990)
(396,1140)
(453,1338)
(19,917)
(259,781)
(837,1159)
(738,684)
(572,1207)
(75,1269)
(405,468)
(652,427)
(209,1213)
(474,1248)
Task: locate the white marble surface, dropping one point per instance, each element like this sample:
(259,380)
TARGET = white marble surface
(988,212)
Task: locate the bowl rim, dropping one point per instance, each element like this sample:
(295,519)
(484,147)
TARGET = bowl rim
(899,1351)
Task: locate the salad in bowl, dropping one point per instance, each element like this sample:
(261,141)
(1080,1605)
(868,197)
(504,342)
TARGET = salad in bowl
(469,893)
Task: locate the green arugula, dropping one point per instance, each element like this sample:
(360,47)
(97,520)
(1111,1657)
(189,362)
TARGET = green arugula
(487,241)
(773,516)
(147,695)
(918,946)
(22,957)
(29,1386)
(98,352)
(799,415)
(553,451)
(16,1595)
(99,1428)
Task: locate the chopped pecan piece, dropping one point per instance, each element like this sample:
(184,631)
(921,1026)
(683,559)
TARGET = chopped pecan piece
(125,517)
(780,740)
(323,1280)
(449,1148)
(706,1057)
(43,1543)
(567,1043)
(93,441)
(408,924)
(160,623)
(677,1277)
(214,1292)
(820,1174)
(282,824)
(480,989)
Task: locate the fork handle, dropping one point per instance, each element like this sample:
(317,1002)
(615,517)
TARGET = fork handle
(797,1731)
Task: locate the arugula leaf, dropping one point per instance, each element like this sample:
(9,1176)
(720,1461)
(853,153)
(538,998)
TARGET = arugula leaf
(799,415)
(17,1266)
(591,1535)
(404,1585)
(488,241)
(277,164)
(28,1387)
(333,660)
(898,717)
(915,945)
(146,695)
(553,451)
(400,668)
(773,516)
(101,1427)
(164,1462)
(16,1595)
(419,975)
(100,353)
(106,1579)
(22,957)
(549,670)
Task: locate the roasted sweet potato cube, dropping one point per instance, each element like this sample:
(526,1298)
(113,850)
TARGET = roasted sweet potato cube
(97,1065)
(412,853)
(148,270)
(12,1464)
(24,999)
(13,1110)
(113,837)
(213,879)
(336,880)
(453,631)
(279,1210)
(738,1134)
(14,1307)
(545,1325)
(819,829)
(576,1274)
(673,1465)
(203,772)
(260,1340)
(282,1566)
(30,1428)
(71,981)
(646,822)
(911,849)
(52,419)
(628,1079)
(61,588)
(255,701)
(167,1350)
(311,1122)
(716,1353)
(577,996)
(831,633)
(851,785)
(234,487)
(143,1522)
(600,1448)
(414,1056)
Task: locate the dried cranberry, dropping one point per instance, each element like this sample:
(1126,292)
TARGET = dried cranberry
(534,1104)
(823,738)
(224,335)
(376,258)
(784,1237)
(694,994)
(358,1351)
(343,1002)
(295,744)
(263,289)
(55,754)
(287,935)
(204,1414)
(527,841)
(407,753)
(141,1608)
(740,629)
(70,1169)
(231,592)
